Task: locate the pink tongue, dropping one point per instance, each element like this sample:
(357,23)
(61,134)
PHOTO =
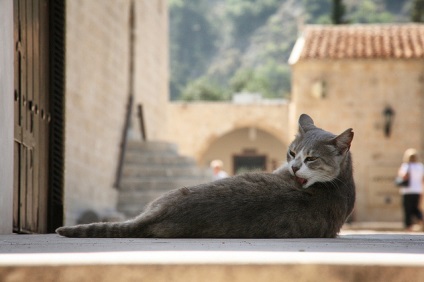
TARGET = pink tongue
(302,181)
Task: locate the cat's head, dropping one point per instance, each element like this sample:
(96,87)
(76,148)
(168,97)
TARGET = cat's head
(317,155)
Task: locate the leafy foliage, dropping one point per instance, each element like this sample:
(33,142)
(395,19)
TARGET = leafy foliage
(418,11)
(202,89)
(267,80)
(220,47)
(193,39)
(370,11)
(338,12)
(245,17)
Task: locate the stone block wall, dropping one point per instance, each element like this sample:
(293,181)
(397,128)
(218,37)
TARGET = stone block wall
(151,69)
(196,126)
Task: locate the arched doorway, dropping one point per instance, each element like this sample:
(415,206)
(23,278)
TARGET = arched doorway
(246,149)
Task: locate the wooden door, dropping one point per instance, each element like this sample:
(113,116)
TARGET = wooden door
(33,118)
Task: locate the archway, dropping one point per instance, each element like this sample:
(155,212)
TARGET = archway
(246,149)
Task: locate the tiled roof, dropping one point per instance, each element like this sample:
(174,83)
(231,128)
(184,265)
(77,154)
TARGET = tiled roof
(401,41)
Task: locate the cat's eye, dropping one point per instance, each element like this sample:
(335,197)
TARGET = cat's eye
(291,153)
(310,159)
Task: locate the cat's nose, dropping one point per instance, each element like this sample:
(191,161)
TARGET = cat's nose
(295,168)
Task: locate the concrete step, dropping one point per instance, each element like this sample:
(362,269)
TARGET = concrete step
(160,184)
(157,159)
(132,200)
(130,211)
(132,204)
(373,225)
(152,147)
(160,171)
(349,257)
(134,195)
(152,169)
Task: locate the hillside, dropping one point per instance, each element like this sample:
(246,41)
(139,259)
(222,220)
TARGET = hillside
(221,47)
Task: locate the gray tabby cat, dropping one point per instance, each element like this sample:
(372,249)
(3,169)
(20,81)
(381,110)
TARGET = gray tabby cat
(309,197)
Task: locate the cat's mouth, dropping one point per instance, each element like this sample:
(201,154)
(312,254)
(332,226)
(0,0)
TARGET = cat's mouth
(301,181)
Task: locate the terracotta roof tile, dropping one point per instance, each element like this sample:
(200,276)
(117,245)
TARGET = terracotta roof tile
(402,41)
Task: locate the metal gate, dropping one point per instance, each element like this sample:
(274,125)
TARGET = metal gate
(33,117)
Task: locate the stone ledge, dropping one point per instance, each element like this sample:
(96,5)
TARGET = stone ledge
(354,256)
(215,266)
(215,273)
(375,225)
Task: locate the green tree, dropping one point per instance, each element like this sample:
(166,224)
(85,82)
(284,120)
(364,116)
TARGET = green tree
(278,77)
(239,82)
(370,11)
(338,12)
(418,11)
(317,11)
(246,16)
(272,80)
(193,38)
(203,89)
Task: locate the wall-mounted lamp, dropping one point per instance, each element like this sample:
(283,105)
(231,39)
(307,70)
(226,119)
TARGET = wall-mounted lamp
(388,114)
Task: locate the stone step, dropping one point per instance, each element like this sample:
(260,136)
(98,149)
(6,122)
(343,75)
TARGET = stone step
(129,211)
(160,184)
(152,147)
(158,160)
(355,256)
(160,171)
(152,169)
(132,204)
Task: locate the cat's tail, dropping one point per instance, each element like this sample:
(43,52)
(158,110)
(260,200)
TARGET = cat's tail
(100,230)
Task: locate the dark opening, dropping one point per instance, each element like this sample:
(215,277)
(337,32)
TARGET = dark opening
(57,105)
(244,163)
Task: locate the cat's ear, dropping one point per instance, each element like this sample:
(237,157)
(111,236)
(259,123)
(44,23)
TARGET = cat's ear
(343,141)
(305,123)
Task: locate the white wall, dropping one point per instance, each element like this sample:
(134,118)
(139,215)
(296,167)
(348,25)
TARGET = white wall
(97,89)
(96,96)
(6,116)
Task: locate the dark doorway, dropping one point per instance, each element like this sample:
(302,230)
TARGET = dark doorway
(246,163)
(38,112)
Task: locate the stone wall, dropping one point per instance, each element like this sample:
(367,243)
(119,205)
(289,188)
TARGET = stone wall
(245,143)
(195,127)
(355,94)
(151,69)
(97,90)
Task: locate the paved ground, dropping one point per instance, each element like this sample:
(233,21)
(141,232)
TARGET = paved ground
(350,243)
(378,254)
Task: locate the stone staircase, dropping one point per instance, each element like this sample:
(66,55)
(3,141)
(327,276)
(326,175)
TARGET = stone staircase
(152,168)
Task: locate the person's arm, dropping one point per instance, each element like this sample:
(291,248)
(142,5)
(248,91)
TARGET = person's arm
(403,171)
